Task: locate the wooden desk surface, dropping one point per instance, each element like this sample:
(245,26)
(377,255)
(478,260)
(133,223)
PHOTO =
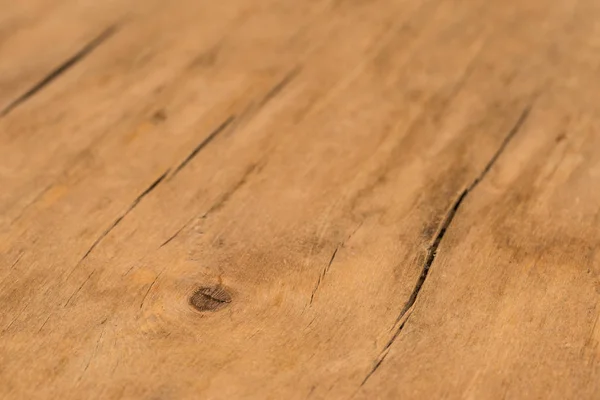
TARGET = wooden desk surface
(281,199)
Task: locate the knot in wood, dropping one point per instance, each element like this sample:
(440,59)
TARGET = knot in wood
(210,298)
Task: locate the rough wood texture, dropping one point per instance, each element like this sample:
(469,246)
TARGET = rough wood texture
(285,199)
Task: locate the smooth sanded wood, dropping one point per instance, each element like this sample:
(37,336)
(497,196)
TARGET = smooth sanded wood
(277,199)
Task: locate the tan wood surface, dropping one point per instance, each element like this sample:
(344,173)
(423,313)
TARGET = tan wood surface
(299,200)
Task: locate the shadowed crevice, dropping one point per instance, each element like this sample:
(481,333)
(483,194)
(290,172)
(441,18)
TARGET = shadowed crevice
(433,248)
(203,144)
(121,217)
(61,69)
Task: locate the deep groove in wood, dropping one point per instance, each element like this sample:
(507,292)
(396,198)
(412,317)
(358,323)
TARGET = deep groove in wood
(433,248)
(61,69)
(203,144)
(121,217)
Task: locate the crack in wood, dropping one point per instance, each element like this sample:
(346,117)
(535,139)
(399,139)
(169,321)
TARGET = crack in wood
(203,144)
(149,289)
(95,351)
(253,109)
(29,204)
(221,201)
(62,68)
(328,266)
(173,236)
(433,248)
(16,317)
(116,222)
(44,324)
(229,193)
(279,87)
(324,272)
(79,288)
(273,92)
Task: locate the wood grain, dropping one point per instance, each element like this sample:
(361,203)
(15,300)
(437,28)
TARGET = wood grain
(278,199)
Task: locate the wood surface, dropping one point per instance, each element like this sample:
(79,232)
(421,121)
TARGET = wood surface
(395,199)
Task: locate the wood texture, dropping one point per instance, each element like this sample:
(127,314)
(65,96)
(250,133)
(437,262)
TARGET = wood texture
(281,199)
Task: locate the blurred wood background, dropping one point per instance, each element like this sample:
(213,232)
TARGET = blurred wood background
(282,199)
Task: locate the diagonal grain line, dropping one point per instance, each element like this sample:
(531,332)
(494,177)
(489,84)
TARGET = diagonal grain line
(61,69)
(433,248)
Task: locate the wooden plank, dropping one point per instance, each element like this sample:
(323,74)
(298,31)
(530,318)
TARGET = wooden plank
(285,200)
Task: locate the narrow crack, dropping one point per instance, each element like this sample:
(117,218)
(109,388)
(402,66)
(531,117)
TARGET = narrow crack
(433,248)
(78,289)
(120,218)
(203,144)
(29,204)
(331,260)
(278,88)
(95,352)
(149,289)
(225,197)
(44,324)
(323,273)
(173,236)
(61,69)
(253,109)
(222,200)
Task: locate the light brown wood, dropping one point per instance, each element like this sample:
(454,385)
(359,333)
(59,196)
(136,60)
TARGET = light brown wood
(279,199)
